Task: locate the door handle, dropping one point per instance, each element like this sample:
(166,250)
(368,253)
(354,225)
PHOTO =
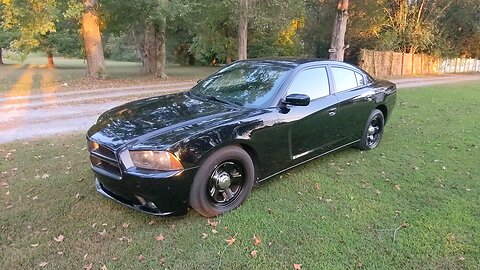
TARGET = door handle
(332,112)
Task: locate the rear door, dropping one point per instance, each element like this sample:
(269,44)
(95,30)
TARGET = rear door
(355,94)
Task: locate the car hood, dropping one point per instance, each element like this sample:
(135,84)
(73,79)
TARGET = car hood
(168,116)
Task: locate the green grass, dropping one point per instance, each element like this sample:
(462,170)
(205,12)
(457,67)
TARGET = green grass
(337,212)
(32,76)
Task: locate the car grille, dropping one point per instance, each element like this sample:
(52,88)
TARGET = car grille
(104,160)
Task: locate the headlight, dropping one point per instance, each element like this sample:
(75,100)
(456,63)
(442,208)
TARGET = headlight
(155,160)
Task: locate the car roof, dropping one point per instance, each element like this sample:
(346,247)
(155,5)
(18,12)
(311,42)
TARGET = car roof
(295,61)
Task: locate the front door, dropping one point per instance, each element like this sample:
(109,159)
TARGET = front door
(311,129)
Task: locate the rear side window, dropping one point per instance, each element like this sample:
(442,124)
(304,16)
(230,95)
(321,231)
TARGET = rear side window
(360,79)
(346,79)
(312,82)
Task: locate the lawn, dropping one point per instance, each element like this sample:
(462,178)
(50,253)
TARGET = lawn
(412,203)
(32,76)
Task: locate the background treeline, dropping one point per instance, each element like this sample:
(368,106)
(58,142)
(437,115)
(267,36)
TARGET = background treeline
(204,32)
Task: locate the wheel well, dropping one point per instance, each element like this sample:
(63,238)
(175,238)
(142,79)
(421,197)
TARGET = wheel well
(384,110)
(253,155)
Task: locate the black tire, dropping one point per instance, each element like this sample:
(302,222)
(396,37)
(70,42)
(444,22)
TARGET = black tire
(372,135)
(223,182)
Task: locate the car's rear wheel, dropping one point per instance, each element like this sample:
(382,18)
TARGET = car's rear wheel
(372,135)
(222,182)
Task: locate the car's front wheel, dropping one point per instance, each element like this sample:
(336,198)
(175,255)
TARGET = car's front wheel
(222,182)
(372,135)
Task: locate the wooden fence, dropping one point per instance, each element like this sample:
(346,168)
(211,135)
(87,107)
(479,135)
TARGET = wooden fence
(388,64)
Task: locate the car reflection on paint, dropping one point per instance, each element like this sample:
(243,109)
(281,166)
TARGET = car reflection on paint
(207,147)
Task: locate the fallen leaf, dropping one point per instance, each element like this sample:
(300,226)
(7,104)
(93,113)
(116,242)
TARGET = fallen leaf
(397,187)
(88,266)
(125,225)
(317,186)
(461,258)
(214,231)
(59,238)
(103,233)
(230,241)
(160,237)
(204,235)
(256,240)
(104,267)
(297,266)
(254,253)
(34,245)
(45,176)
(43,264)
(212,223)
(141,257)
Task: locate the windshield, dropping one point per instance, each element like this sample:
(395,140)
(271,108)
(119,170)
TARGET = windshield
(248,84)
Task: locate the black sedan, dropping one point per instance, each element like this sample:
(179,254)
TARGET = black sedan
(251,120)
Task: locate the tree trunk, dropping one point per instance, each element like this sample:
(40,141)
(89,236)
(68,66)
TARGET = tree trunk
(161,51)
(92,40)
(1,56)
(243,30)
(337,48)
(50,63)
(149,58)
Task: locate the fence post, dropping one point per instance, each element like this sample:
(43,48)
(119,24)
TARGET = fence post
(403,61)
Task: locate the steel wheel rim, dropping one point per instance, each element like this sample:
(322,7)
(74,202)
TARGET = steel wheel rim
(374,131)
(225,183)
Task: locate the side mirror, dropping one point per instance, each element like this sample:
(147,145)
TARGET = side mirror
(297,100)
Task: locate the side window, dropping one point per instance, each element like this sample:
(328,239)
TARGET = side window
(345,79)
(360,79)
(312,82)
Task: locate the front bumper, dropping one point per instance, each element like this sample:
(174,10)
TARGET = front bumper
(156,193)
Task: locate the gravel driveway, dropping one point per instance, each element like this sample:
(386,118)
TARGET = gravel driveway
(44,115)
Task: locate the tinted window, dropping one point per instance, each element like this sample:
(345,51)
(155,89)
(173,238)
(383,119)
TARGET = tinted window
(360,79)
(345,79)
(312,82)
(245,83)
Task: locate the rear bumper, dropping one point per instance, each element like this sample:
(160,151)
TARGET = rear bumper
(159,193)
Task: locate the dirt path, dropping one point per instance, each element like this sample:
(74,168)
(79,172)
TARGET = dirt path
(43,115)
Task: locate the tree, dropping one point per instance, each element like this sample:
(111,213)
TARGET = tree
(461,29)
(92,41)
(6,37)
(243,29)
(32,25)
(148,22)
(337,48)
(222,36)
(31,19)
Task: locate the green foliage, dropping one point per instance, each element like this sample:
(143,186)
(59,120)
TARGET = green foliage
(31,18)
(216,34)
(461,28)
(40,25)
(120,47)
